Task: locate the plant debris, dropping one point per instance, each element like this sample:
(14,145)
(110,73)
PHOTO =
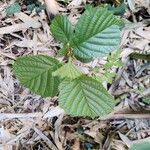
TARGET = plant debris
(30,122)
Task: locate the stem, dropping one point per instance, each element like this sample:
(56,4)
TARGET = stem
(70,59)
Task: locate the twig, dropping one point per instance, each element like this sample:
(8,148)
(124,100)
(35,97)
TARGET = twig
(127,116)
(11,56)
(4,116)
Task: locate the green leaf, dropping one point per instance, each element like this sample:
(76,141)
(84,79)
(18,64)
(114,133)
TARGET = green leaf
(113,60)
(119,10)
(107,77)
(13,8)
(141,146)
(68,70)
(31,7)
(97,33)
(85,96)
(84,60)
(61,29)
(147,101)
(35,73)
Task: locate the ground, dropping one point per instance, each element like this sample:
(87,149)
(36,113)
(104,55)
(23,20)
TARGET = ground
(28,121)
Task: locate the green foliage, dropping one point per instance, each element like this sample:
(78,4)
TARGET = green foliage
(107,76)
(34,5)
(119,10)
(96,34)
(28,2)
(35,73)
(38,9)
(84,60)
(141,146)
(68,70)
(146,100)
(85,96)
(113,61)
(13,8)
(61,29)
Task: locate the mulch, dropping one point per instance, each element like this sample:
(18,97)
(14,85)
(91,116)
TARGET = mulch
(30,122)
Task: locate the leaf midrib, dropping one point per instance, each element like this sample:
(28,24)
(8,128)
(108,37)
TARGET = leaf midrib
(77,44)
(65,33)
(82,89)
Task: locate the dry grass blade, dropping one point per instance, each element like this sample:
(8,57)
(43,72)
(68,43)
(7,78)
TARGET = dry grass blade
(11,56)
(8,116)
(46,139)
(30,122)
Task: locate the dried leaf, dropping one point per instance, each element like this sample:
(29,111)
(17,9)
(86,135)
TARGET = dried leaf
(131,4)
(56,111)
(53,8)
(28,20)
(76,3)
